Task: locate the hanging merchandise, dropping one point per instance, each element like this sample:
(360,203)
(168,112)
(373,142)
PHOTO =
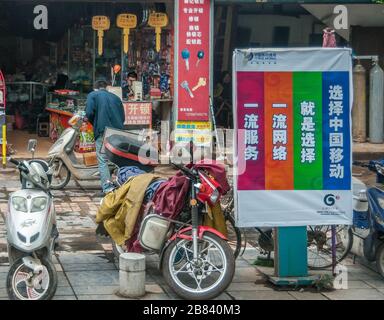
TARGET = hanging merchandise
(100,24)
(376,112)
(126,21)
(359,104)
(158,20)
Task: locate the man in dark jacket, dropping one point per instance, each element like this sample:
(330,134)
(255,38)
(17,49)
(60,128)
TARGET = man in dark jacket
(104,109)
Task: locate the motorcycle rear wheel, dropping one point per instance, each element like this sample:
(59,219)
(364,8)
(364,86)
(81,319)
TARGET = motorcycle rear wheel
(17,283)
(61,175)
(190,286)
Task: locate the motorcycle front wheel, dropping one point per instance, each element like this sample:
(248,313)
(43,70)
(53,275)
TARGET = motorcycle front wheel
(23,284)
(203,278)
(60,176)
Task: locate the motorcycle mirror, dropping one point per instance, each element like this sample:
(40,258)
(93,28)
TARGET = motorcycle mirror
(32,143)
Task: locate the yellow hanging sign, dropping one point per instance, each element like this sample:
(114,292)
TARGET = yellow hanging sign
(100,24)
(158,20)
(126,21)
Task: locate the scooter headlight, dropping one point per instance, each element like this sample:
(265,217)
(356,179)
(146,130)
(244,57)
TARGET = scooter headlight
(39,204)
(19,204)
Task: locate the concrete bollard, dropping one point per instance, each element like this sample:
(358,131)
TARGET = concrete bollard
(132,275)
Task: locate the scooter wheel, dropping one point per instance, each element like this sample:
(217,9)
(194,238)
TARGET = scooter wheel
(61,175)
(380,259)
(20,287)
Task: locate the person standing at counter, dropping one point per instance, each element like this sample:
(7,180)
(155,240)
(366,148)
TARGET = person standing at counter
(104,109)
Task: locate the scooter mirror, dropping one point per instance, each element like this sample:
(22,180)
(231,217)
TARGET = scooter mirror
(32,143)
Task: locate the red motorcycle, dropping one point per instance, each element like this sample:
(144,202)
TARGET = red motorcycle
(196,261)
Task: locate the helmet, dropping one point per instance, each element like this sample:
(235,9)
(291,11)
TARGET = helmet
(38,174)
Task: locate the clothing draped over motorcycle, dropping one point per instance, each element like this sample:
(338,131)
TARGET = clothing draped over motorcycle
(122,210)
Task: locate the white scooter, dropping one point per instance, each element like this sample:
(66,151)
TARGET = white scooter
(31,233)
(62,158)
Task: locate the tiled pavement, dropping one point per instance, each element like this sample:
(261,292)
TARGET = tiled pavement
(86,271)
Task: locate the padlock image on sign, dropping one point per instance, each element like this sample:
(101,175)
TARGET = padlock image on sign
(100,24)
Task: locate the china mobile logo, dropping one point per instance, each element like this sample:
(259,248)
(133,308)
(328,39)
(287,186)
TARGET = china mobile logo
(330,199)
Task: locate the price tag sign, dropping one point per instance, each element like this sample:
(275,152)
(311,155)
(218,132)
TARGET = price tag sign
(158,20)
(126,21)
(100,24)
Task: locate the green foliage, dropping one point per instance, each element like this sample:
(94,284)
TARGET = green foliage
(325,282)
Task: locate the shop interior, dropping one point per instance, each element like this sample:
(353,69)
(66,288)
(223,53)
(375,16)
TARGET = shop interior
(65,57)
(50,72)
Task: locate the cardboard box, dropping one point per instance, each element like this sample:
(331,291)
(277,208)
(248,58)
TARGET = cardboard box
(90,159)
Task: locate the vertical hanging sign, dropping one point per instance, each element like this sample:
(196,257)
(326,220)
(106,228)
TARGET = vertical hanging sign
(3,126)
(193,59)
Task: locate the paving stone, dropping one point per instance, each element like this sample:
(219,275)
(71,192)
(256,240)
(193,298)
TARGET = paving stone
(153,288)
(155,296)
(72,297)
(248,286)
(377,284)
(307,295)
(101,278)
(359,284)
(64,291)
(95,290)
(68,267)
(102,297)
(260,295)
(223,296)
(249,274)
(355,294)
(82,258)
(4,269)
(3,292)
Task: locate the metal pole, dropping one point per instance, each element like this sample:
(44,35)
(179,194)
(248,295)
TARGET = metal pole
(333,232)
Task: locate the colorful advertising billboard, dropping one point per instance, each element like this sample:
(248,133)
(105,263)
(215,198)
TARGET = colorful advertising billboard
(293,136)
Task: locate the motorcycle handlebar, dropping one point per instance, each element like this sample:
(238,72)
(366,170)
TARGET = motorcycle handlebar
(185,170)
(14,161)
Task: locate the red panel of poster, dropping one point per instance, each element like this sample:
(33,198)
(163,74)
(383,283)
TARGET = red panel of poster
(193,56)
(138,113)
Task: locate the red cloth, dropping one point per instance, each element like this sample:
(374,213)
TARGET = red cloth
(329,39)
(170,196)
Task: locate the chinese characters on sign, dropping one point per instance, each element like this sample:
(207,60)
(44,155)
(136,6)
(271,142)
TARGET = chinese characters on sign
(193,59)
(336,169)
(138,113)
(251,136)
(307,132)
(279,141)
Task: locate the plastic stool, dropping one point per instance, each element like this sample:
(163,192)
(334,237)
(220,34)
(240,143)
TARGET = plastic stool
(43,129)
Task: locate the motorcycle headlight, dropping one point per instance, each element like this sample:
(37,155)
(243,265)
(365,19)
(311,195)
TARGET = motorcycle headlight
(214,196)
(38,204)
(19,204)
